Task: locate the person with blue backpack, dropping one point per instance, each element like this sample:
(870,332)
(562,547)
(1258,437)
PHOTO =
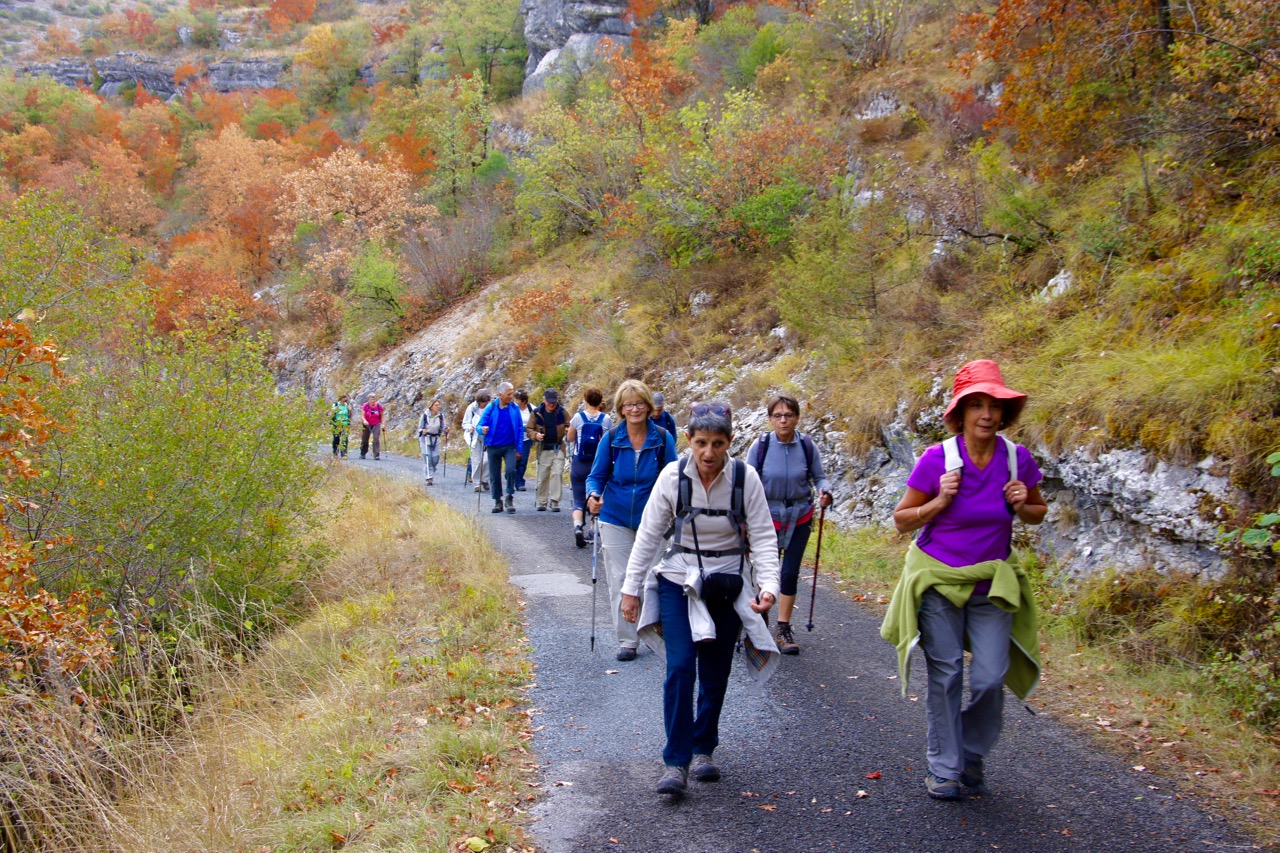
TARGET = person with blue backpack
(627,464)
(586,429)
(791,469)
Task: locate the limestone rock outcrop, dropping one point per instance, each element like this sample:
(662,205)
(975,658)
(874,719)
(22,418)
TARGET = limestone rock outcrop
(109,74)
(563,35)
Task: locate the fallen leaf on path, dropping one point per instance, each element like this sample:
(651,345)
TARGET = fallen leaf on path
(477,844)
(769,807)
(612,671)
(862,795)
(1139,767)
(875,775)
(562,784)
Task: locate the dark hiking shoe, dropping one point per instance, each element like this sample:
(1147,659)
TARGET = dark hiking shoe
(542,509)
(511,504)
(497,506)
(555,507)
(941,789)
(786,642)
(626,653)
(579,537)
(972,775)
(674,781)
(704,769)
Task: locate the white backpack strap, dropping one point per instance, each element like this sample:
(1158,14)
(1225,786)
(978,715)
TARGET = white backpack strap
(951,454)
(1012,450)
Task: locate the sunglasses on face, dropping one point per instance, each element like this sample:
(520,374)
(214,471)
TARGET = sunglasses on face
(718,409)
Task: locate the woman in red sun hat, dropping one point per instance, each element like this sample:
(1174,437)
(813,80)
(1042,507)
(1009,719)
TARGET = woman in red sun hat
(961,587)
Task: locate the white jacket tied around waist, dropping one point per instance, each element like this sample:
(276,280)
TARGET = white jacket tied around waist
(760,571)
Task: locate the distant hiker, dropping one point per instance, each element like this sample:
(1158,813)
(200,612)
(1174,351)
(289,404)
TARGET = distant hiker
(704,590)
(586,429)
(791,470)
(371,427)
(626,466)
(547,427)
(340,420)
(522,453)
(502,429)
(475,441)
(431,428)
(660,415)
(960,588)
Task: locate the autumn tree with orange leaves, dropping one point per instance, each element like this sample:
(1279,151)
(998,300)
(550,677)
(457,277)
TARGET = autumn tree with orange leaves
(346,201)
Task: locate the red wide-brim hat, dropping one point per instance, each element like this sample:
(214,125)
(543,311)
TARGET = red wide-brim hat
(983,377)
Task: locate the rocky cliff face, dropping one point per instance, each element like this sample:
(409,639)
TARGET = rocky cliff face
(1118,508)
(564,36)
(112,73)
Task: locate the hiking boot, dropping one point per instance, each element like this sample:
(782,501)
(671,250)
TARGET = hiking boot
(478,488)
(497,506)
(626,653)
(704,769)
(542,509)
(972,775)
(941,789)
(579,537)
(786,642)
(511,504)
(521,489)
(431,481)
(555,507)
(674,780)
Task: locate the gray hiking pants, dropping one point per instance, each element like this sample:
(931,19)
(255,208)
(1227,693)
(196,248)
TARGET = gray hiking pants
(962,735)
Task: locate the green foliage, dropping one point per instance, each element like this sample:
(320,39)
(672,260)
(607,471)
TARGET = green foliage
(376,292)
(735,46)
(770,213)
(57,263)
(844,262)
(185,473)
(585,161)
(482,39)
(1014,209)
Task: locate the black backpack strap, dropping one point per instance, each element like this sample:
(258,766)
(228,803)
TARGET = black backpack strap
(762,450)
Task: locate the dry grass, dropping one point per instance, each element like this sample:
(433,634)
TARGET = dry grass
(389,719)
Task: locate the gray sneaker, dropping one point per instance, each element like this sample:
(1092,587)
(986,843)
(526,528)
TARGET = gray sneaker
(674,780)
(704,769)
(941,789)
(511,504)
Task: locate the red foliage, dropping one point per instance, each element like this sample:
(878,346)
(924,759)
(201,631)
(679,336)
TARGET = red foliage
(188,293)
(318,139)
(197,6)
(141,25)
(389,32)
(414,152)
(187,71)
(283,15)
(271,130)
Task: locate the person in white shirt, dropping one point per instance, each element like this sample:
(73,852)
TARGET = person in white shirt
(475,441)
(705,589)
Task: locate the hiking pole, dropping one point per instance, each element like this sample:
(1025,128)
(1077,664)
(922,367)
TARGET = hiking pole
(595,547)
(478,476)
(444,457)
(817,555)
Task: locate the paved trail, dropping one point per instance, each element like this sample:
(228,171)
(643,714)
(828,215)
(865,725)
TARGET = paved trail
(796,756)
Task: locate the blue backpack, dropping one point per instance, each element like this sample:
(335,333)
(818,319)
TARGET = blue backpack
(589,436)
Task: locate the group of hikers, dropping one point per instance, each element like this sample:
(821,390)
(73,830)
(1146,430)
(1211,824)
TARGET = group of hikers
(698,547)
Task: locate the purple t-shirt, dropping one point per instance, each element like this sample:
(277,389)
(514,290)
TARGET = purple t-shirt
(977,524)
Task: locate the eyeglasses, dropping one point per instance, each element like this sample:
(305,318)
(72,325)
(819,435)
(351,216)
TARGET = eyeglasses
(783,416)
(719,409)
(635,405)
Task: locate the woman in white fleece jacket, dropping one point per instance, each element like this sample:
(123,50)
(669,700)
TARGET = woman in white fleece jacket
(699,619)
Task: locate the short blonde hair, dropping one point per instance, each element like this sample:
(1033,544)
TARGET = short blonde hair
(632,388)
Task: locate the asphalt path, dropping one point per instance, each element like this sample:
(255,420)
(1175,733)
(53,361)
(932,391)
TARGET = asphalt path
(827,756)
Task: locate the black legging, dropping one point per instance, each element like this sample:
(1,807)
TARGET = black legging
(793,555)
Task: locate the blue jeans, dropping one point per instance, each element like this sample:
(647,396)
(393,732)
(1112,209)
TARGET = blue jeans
(497,455)
(706,663)
(962,734)
(523,462)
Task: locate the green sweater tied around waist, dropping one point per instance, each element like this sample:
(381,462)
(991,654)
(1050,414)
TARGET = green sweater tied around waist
(1010,591)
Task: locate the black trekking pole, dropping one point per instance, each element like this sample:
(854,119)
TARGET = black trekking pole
(817,555)
(477,474)
(595,547)
(444,456)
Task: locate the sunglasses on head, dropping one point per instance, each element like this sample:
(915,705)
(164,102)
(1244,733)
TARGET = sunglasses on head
(718,409)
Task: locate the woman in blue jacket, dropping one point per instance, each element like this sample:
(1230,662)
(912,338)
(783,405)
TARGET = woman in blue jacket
(503,430)
(627,465)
